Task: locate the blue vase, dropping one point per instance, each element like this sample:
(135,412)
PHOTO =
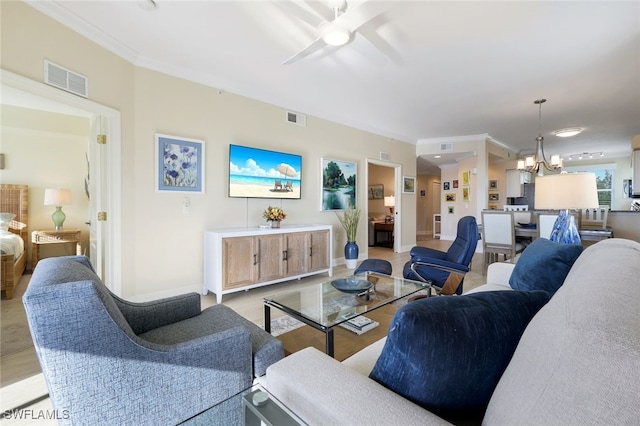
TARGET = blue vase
(351,254)
(564,230)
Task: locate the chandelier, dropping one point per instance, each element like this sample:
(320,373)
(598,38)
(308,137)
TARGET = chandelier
(532,163)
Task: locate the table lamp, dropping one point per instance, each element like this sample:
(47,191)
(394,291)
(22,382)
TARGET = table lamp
(57,197)
(566,191)
(390,202)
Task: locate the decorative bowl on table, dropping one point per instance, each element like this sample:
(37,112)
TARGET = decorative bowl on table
(351,285)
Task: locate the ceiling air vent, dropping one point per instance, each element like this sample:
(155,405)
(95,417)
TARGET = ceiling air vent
(295,118)
(65,79)
(446,147)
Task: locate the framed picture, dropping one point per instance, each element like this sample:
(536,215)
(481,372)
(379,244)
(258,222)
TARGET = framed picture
(493,184)
(465,193)
(423,193)
(455,183)
(338,184)
(446,186)
(450,197)
(376,192)
(179,164)
(494,197)
(451,210)
(465,178)
(408,185)
(493,207)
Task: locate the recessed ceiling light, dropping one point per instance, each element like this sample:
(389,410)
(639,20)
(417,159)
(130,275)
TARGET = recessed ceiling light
(566,133)
(437,156)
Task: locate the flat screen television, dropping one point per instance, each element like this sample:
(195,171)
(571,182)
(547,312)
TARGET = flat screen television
(259,173)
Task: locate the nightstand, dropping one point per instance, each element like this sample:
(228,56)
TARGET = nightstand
(52,236)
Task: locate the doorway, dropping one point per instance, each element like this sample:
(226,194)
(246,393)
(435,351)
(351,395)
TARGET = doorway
(106,158)
(384,222)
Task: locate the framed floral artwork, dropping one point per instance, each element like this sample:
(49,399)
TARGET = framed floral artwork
(179,164)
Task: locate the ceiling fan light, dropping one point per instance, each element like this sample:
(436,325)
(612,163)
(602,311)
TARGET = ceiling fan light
(334,35)
(567,133)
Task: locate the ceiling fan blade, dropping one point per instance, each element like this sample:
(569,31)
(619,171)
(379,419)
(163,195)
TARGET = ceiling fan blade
(354,18)
(369,50)
(315,45)
(321,9)
(291,8)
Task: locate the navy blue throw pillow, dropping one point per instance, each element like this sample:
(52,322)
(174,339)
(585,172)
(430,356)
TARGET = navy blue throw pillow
(447,354)
(544,265)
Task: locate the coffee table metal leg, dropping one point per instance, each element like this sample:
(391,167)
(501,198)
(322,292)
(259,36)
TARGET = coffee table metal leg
(267,318)
(329,342)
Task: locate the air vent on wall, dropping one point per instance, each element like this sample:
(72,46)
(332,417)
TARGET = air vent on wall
(295,118)
(446,147)
(65,79)
(384,156)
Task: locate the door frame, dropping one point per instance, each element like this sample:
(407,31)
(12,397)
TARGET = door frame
(111,178)
(397,178)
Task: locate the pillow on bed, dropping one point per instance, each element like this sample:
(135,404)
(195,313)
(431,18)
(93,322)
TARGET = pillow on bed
(5,221)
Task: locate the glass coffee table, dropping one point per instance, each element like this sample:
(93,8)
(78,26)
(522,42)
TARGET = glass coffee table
(326,305)
(252,407)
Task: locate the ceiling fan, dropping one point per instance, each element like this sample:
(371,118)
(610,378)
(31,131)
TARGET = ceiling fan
(342,29)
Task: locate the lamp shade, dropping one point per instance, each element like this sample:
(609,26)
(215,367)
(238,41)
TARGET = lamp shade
(57,197)
(390,201)
(566,191)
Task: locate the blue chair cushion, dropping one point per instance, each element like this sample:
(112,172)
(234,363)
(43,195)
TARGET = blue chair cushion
(544,265)
(380,266)
(447,354)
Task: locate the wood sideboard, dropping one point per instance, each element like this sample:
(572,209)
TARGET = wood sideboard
(241,259)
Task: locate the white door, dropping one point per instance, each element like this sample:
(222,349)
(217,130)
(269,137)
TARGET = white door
(94,180)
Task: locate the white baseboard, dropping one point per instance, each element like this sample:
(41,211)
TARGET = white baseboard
(147,297)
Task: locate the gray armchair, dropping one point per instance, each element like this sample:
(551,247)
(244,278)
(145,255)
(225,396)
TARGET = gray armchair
(110,361)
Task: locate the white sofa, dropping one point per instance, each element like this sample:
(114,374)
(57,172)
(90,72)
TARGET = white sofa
(578,361)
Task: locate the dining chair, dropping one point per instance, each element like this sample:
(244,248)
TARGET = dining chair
(499,237)
(595,218)
(515,207)
(545,224)
(520,216)
(546,220)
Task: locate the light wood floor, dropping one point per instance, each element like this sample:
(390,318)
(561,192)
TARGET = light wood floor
(21,380)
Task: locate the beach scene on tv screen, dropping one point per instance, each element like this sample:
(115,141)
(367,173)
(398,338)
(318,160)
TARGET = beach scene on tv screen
(258,173)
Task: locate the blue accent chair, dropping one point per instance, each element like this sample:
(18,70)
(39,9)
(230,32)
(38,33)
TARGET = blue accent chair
(110,361)
(429,265)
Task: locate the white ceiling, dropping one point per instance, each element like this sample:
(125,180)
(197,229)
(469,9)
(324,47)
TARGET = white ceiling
(420,70)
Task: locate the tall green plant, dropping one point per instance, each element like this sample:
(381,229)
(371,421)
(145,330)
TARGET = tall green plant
(349,220)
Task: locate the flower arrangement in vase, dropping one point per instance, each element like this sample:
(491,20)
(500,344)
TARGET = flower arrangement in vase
(274,215)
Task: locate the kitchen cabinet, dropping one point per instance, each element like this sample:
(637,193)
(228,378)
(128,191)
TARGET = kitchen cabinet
(241,259)
(515,183)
